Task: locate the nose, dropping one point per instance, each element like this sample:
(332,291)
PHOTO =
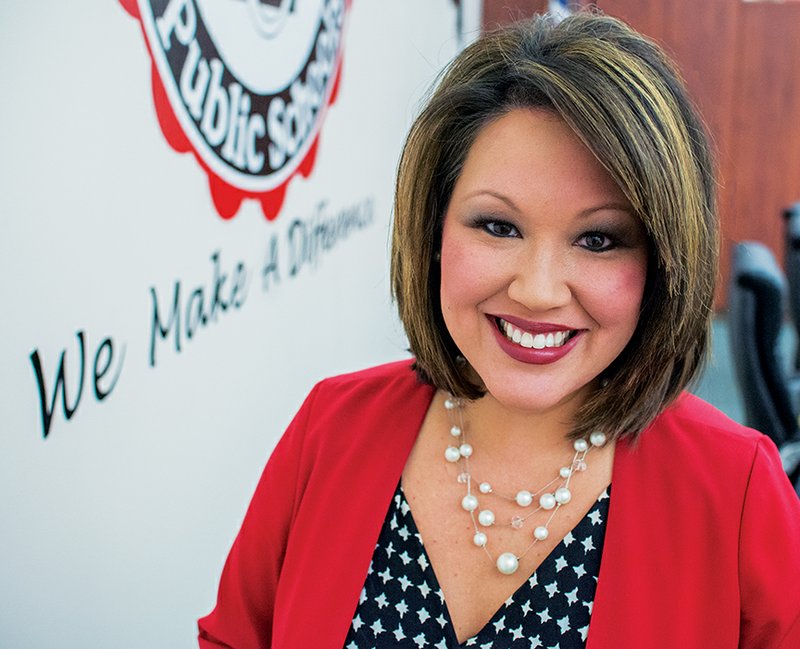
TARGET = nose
(541,280)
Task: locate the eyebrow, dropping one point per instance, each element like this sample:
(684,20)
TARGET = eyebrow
(622,207)
(497,195)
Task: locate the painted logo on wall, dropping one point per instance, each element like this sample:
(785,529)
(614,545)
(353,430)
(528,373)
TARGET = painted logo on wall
(244,85)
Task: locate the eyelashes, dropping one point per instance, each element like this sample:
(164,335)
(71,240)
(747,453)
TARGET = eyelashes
(591,240)
(497,227)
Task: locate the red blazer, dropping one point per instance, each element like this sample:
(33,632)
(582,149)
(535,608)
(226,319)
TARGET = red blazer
(702,544)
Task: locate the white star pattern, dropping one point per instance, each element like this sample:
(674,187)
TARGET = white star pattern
(572,596)
(552,606)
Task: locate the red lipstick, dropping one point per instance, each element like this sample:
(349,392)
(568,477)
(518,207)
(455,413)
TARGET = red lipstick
(531,355)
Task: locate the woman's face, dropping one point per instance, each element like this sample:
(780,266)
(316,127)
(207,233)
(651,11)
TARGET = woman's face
(543,263)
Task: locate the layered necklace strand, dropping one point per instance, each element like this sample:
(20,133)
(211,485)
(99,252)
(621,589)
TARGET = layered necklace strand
(551,496)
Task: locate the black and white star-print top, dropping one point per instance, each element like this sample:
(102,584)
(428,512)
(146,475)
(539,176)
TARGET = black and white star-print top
(402,605)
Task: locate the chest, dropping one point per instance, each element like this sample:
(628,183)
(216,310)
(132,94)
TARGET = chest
(472,586)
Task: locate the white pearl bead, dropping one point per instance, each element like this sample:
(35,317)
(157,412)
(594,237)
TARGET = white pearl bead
(452,454)
(455,431)
(479,539)
(563,495)
(486,517)
(449,404)
(547,501)
(597,438)
(580,445)
(465,450)
(564,472)
(524,498)
(541,533)
(485,488)
(469,502)
(507,563)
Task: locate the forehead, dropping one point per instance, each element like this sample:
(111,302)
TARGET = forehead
(533,155)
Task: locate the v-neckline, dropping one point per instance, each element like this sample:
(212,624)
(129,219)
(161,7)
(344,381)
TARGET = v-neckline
(557,551)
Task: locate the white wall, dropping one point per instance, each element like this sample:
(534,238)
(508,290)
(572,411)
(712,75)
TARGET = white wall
(116,524)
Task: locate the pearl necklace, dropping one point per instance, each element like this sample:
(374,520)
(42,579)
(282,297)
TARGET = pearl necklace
(550,500)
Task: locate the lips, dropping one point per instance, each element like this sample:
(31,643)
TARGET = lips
(536,343)
(531,340)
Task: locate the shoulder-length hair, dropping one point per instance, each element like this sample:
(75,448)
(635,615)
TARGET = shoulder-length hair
(625,100)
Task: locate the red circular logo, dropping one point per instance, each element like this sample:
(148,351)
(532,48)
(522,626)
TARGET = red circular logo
(244,85)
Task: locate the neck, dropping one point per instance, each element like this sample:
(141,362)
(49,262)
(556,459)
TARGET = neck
(540,432)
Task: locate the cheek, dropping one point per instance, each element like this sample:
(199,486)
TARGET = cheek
(460,269)
(617,295)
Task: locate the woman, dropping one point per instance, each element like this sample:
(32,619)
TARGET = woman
(554,255)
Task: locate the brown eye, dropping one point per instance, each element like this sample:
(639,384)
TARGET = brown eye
(500,229)
(596,241)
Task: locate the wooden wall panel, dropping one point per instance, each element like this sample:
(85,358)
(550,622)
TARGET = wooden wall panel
(764,138)
(501,12)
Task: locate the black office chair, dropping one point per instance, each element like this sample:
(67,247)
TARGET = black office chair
(792,262)
(756,301)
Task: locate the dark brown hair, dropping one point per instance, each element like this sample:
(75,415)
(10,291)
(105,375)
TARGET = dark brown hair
(625,100)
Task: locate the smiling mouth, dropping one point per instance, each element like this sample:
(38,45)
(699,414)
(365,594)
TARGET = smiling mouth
(534,341)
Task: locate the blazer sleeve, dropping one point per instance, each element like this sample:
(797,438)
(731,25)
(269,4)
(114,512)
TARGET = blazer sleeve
(243,616)
(769,556)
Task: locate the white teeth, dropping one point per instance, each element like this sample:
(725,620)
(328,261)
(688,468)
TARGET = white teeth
(528,340)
